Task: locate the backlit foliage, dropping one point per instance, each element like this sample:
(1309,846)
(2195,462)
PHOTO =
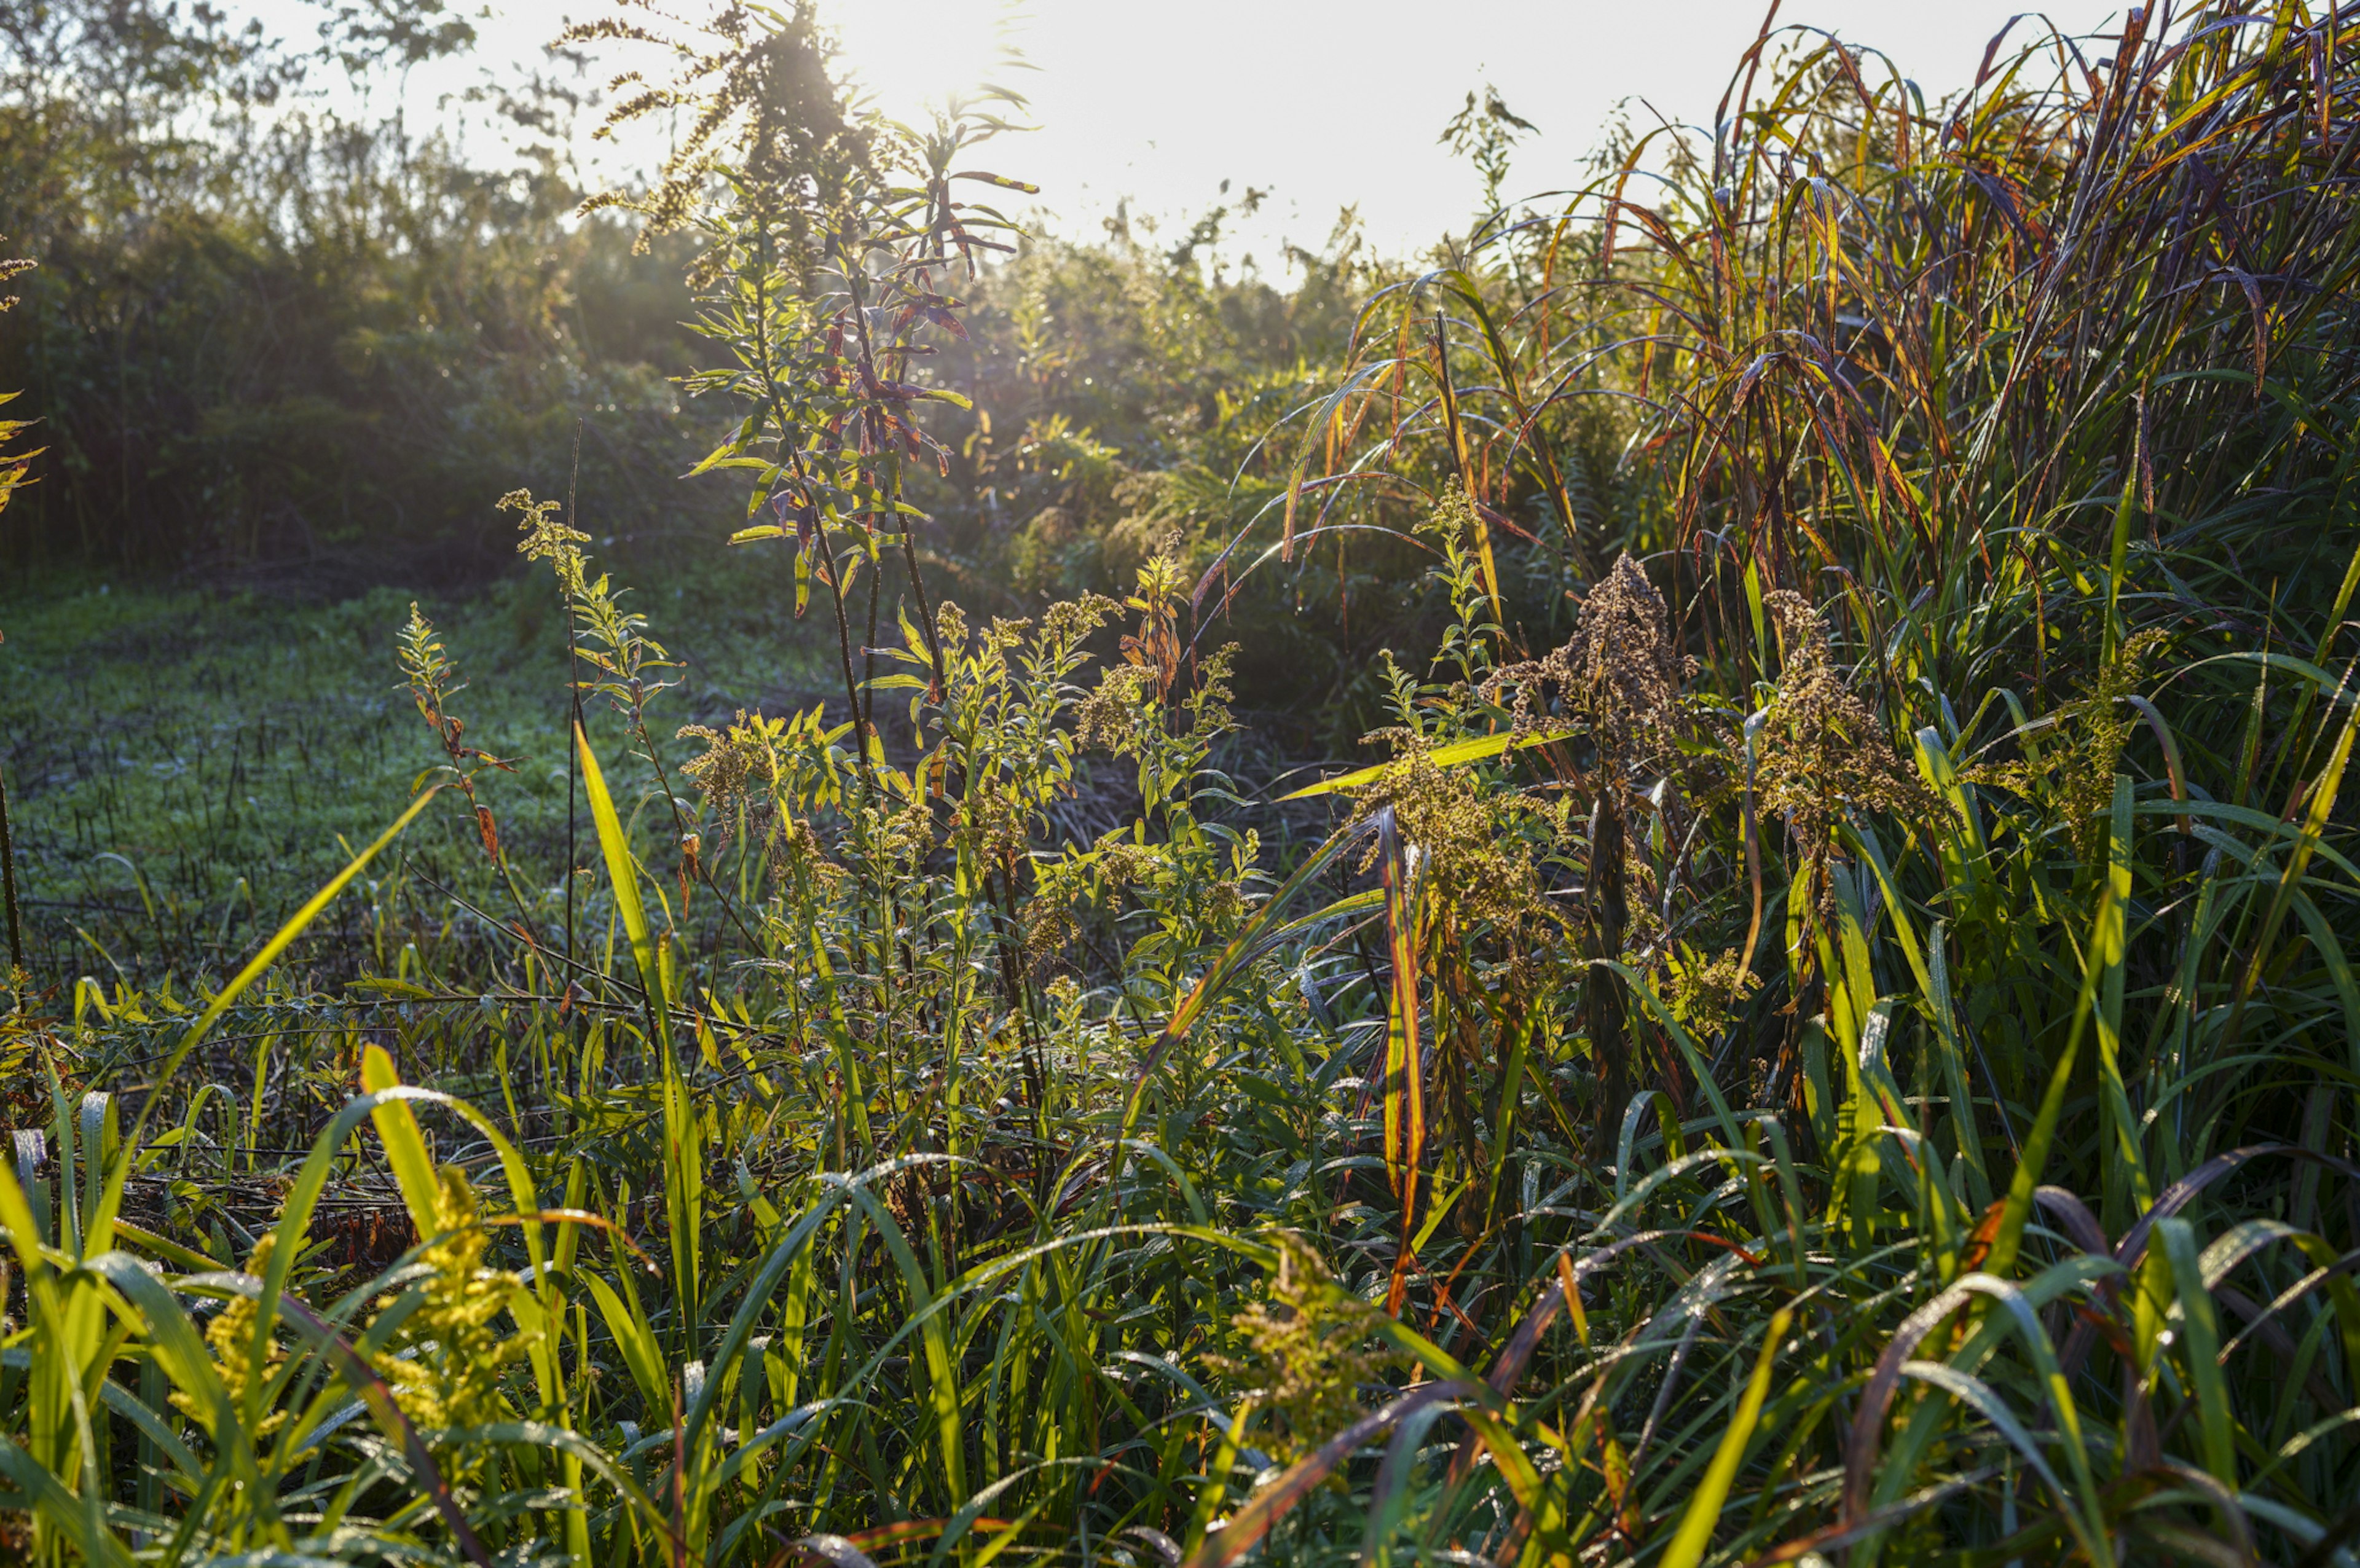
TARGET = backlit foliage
(1826,1031)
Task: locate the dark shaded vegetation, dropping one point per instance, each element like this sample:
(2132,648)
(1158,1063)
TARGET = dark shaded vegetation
(265,335)
(271,343)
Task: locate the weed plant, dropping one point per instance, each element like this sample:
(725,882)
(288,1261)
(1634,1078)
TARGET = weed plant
(1847,1050)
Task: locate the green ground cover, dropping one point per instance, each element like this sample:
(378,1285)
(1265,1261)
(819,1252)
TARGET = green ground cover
(186,769)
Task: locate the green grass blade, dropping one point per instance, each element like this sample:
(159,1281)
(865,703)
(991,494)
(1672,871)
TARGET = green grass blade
(623,876)
(1694,1532)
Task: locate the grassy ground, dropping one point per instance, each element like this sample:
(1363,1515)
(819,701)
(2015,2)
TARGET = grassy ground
(185,768)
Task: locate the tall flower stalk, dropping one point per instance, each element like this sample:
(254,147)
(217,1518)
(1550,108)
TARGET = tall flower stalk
(830,245)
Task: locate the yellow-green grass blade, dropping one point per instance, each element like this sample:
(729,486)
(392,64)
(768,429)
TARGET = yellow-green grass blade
(1694,1534)
(405,1146)
(623,872)
(1456,755)
(683,1164)
(100,1233)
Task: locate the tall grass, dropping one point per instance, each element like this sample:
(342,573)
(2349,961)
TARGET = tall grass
(1851,1054)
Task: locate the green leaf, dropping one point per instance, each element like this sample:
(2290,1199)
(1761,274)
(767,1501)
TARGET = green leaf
(1452,755)
(623,873)
(405,1149)
(1695,1533)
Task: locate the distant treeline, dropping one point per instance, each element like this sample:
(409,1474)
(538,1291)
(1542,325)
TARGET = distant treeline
(268,340)
(261,333)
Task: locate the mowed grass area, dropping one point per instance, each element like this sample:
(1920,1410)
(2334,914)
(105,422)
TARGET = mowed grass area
(185,768)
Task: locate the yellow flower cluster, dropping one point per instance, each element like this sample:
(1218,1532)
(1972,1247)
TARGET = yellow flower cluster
(445,1362)
(231,1335)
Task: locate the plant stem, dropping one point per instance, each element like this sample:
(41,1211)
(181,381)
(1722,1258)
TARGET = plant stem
(8,880)
(573,695)
(1604,1000)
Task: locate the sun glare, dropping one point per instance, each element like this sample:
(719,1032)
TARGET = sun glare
(917,54)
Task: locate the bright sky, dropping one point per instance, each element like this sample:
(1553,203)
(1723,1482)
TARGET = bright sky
(1321,102)
(1325,102)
